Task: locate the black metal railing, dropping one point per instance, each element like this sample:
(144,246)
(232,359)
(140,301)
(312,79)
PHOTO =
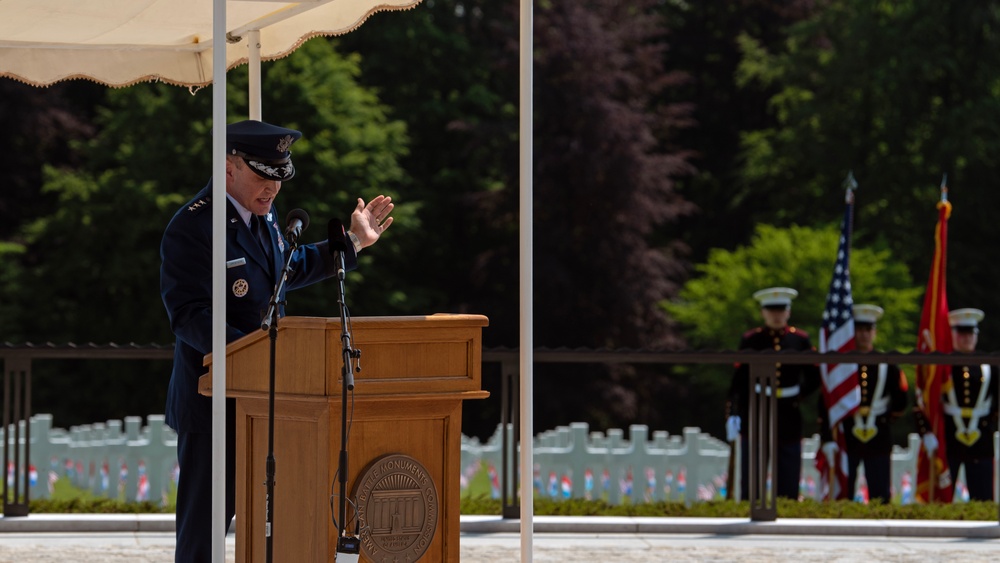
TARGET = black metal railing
(18,361)
(762,423)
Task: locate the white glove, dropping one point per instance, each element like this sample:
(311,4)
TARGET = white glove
(930,443)
(732,428)
(830,451)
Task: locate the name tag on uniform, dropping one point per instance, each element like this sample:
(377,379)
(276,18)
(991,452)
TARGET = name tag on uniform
(237,262)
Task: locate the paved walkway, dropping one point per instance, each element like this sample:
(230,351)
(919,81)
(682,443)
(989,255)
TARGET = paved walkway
(149,539)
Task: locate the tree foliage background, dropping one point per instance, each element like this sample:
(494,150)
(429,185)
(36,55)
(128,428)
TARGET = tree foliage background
(685,155)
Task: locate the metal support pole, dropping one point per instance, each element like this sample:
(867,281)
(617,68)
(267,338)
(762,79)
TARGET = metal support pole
(254,74)
(763,439)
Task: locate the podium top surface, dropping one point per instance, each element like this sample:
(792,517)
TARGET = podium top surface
(438,353)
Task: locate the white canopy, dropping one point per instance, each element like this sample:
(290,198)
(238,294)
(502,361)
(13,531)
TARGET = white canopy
(122,42)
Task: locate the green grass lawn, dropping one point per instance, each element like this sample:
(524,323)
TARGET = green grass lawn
(974,511)
(67,498)
(476,499)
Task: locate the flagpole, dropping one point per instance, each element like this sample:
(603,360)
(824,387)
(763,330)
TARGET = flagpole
(932,456)
(841,393)
(935,336)
(851,184)
(832,477)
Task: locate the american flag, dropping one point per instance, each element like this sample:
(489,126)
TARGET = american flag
(841,392)
(840,381)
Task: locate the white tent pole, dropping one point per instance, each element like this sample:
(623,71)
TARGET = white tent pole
(253,62)
(218,281)
(527,337)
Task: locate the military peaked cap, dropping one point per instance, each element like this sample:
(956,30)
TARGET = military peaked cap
(264,147)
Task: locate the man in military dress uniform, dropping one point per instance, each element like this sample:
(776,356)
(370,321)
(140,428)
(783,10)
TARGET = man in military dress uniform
(867,434)
(258,160)
(794,382)
(969,403)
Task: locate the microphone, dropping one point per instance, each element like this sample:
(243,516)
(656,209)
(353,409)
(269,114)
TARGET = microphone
(297,221)
(336,235)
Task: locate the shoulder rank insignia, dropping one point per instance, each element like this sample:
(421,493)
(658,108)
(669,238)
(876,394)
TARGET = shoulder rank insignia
(198,204)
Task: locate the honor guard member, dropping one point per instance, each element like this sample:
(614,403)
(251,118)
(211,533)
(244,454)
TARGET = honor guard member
(258,160)
(794,382)
(969,403)
(867,434)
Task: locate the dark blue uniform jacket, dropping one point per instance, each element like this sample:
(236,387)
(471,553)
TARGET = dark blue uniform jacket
(186,290)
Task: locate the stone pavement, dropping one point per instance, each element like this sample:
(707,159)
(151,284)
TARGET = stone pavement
(487,539)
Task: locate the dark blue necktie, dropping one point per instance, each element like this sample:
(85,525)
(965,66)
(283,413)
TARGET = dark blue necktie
(259,228)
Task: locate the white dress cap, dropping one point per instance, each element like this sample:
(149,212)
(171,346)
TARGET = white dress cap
(965,317)
(867,313)
(776,296)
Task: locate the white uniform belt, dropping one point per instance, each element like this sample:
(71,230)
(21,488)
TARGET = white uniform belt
(955,410)
(878,408)
(782,393)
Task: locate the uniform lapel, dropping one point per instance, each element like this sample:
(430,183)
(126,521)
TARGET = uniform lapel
(246,239)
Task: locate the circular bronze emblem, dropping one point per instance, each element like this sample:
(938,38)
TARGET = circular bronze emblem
(397,509)
(240,287)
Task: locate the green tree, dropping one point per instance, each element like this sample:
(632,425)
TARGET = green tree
(88,271)
(445,68)
(449,69)
(705,45)
(605,170)
(902,93)
(39,125)
(605,162)
(716,306)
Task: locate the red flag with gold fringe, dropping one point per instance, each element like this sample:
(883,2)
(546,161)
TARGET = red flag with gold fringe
(934,482)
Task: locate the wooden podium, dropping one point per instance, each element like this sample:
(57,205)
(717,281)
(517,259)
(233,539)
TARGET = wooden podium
(407,399)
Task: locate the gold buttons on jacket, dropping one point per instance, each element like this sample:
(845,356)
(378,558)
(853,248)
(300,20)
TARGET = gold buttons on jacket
(966,382)
(863,375)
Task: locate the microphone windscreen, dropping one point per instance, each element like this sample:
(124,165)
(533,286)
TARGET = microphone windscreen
(299,214)
(336,235)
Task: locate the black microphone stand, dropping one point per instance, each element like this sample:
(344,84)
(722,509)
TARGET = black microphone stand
(347,377)
(270,324)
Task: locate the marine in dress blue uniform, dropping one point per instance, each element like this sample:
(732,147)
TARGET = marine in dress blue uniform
(794,382)
(868,433)
(970,409)
(253,265)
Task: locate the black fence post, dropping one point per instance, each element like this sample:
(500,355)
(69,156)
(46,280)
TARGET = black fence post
(16,407)
(510,431)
